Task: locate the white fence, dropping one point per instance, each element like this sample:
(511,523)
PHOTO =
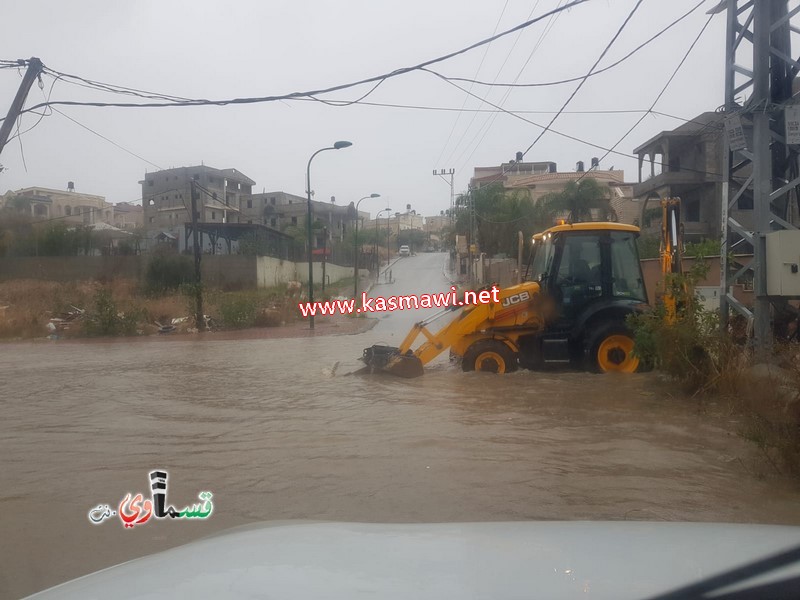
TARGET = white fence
(273,272)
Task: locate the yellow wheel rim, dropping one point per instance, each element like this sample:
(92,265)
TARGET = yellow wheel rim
(616,354)
(490,361)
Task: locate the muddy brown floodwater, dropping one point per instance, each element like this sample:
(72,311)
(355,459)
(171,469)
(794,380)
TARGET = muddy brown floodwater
(274,434)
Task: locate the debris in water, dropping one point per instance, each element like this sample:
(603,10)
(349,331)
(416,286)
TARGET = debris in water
(332,371)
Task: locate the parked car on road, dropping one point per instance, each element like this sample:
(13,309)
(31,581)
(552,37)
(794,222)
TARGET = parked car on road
(405,251)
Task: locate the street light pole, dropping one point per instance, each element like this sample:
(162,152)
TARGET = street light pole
(324,255)
(336,146)
(397,216)
(388,236)
(378,268)
(355,247)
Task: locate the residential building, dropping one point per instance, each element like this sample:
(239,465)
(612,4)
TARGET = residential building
(401,221)
(436,223)
(281,210)
(543,178)
(508,172)
(128,216)
(686,162)
(166,197)
(270,209)
(68,206)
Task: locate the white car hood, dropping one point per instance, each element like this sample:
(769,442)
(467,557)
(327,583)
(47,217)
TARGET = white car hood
(440,561)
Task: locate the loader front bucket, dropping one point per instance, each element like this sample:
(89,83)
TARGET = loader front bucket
(387,359)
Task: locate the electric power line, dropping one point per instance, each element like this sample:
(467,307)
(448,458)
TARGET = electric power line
(100,135)
(491,121)
(477,72)
(568,136)
(107,87)
(41,115)
(494,110)
(598,72)
(499,71)
(661,93)
(583,80)
(312,93)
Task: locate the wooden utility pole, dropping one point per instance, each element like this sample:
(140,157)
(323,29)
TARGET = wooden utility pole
(34,69)
(198,282)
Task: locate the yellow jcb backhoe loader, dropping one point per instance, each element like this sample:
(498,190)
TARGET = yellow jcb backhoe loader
(585,280)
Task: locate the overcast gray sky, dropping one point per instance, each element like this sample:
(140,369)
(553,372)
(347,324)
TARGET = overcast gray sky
(217,50)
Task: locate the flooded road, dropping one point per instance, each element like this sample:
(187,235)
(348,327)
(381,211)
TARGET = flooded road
(267,427)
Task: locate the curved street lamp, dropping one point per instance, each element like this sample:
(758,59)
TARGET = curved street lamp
(355,247)
(336,146)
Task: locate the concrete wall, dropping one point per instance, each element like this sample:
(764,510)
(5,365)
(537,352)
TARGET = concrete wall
(651,269)
(227,271)
(502,271)
(275,272)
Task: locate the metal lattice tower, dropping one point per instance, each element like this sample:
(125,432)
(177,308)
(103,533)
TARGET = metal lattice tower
(759,168)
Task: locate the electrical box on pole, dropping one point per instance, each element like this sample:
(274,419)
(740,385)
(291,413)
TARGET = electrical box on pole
(783,256)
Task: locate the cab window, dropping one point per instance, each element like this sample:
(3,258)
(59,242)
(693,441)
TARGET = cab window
(579,278)
(543,252)
(626,272)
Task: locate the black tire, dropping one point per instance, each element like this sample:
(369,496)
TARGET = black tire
(610,349)
(492,356)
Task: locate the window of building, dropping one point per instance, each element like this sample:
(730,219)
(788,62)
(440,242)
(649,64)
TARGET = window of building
(273,222)
(150,182)
(68,210)
(250,204)
(214,195)
(294,220)
(152,219)
(692,210)
(272,200)
(250,221)
(151,202)
(213,215)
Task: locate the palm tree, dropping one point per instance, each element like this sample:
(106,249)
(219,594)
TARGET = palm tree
(578,199)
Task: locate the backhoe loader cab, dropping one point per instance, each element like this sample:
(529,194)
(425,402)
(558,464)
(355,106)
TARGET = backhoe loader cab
(592,274)
(584,280)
